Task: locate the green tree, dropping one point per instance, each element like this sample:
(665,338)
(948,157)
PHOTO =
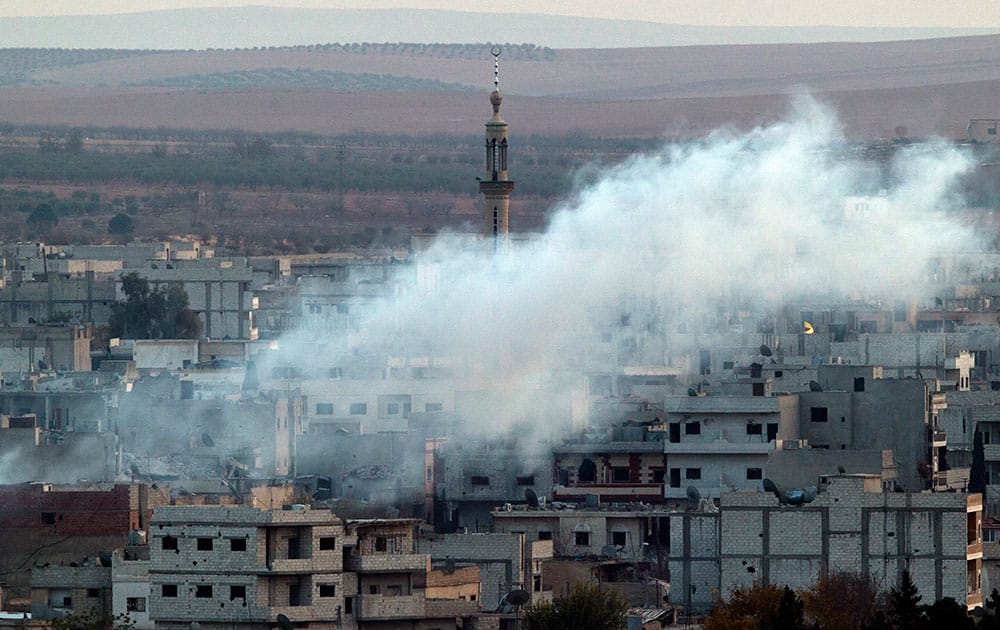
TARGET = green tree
(121,224)
(904,604)
(587,606)
(146,313)
(74,142)
(43,218)
(977,472)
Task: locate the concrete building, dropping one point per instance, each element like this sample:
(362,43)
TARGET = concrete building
(77,589)
(130,583)
(504,561)
(224,567)
(717,443)
(618,531)
(983,130)
(218,290)
(852,525)
(64,347)
(615,470)
(859,409)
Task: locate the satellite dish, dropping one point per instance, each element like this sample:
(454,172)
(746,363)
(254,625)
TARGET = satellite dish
(518,597)
(692,391)
(764,350)
(769,486)
(284,622)
(531,498)
(815,387)
(694,497)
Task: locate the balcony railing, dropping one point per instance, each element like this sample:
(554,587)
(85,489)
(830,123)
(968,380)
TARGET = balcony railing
(387,563)
(371,607)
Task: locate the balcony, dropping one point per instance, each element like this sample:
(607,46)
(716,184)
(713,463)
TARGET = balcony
(720,442)
(991,452)
(611,492)
(296,565)
(974,550)
(388,563)
(376,607)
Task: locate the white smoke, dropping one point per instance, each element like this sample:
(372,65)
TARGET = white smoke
(755,218)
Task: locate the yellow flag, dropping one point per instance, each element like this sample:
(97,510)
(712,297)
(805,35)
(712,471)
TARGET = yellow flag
(807,328)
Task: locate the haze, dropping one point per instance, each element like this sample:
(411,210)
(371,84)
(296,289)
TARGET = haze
(854,13)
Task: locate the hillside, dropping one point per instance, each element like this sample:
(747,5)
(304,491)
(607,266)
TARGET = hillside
(271,26)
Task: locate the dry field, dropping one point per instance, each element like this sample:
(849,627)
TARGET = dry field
(881,90)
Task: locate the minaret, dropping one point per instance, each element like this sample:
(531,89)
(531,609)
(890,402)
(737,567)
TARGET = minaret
(496,187)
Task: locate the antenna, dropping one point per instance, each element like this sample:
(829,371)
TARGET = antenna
(495,51)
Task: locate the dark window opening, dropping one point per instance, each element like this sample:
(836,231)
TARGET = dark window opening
(755,473)
(818,414)
(692,473)
(204,544)
(237,544)
(675,477)
(349,606)
(203,590)
(587,472)
(48,518)
(618,539)
(373,589)
(621,475)
(169,542)
(582,538)
(859,384)
(675,432)
(692,428)
(327,543)
(526,480)
(324,409)
(544,534)
(237,592)
(479,480)
(93,592)
(754,429)
(658,475)
(772,431)
(327,590)
(294,595)
(293,548)
(381,543)
(168,590)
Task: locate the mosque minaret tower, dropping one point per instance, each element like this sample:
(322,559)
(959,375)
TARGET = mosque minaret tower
(496,186)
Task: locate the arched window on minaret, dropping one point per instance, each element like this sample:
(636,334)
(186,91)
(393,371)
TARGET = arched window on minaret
(496,221)
(503,155)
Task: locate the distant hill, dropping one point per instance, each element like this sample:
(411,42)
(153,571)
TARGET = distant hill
(245,27)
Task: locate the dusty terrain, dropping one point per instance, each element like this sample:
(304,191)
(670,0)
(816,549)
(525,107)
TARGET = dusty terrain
(881,90)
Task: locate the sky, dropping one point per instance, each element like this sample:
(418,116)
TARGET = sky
(858,13)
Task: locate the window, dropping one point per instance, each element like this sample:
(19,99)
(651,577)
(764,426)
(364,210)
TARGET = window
(818,414)
(327,590)
(755,473)
(392,409)
(432,407)
(348,605)
(237,544)
(582,538)
(169,542)
(203,591)
(48,518)
(859,383)
(373,589)
(618,538)
(754,429)
(327,543)
(658,475)
(727,365)
(293,548)
(67,602)
(544,534)
(692,428)
(526,480)
(359,409)
(93,592)
(135,604)
(621,475)
(168,590)
(381,543)
(479,480)
(237,591)
(335,373)
(324,409)
(675,477)
(204,544)
(692,473)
